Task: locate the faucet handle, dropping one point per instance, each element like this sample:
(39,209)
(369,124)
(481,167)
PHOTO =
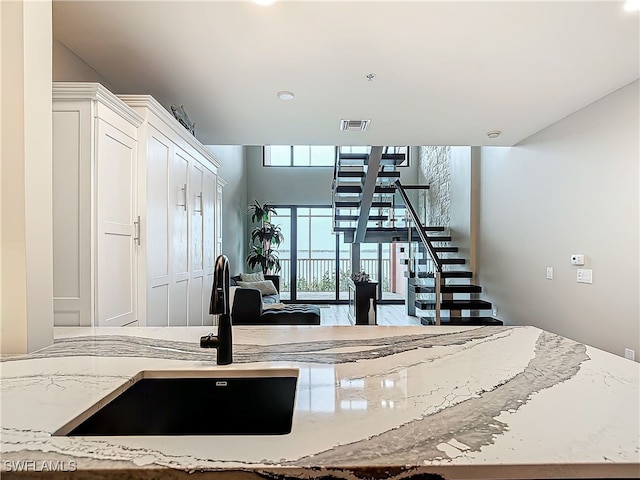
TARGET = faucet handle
(209,341)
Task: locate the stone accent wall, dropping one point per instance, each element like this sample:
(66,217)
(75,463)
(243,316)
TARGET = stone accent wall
(434,169)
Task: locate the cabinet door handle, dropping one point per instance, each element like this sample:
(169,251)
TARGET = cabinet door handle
(201,205)
(183,189)
(136,226)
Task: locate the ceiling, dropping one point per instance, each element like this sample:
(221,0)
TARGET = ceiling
(447,72)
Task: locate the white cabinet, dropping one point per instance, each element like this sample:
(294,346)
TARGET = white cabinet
(179,238)
(180,194)
(157,223)
(95,210)
(196,244)
(221,183)
(136,212)
(212,196)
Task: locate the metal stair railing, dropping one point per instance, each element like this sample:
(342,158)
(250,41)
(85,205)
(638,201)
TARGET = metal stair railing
(419,227)
(437,262)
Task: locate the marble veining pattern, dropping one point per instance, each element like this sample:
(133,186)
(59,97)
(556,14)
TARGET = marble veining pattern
(461,428)
(411,403)
(326,351)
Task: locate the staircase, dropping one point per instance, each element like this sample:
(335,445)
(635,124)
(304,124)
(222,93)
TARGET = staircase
(371,205)
(363,193)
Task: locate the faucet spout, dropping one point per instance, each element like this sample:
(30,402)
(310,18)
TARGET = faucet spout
(220,306)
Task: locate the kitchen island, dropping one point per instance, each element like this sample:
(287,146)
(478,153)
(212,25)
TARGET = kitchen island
(371,402)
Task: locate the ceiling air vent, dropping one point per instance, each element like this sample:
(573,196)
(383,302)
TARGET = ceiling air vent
(354,125)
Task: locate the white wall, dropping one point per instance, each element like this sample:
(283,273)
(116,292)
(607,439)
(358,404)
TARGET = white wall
(286,185)
(571,188)
(234,204)
(26,260)
(68,67)
(462,190)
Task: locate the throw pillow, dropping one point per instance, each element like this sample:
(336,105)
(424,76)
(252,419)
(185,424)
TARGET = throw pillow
(266,287)
(252,277)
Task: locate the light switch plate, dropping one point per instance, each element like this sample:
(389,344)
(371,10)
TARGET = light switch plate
(549,273)
(585,275)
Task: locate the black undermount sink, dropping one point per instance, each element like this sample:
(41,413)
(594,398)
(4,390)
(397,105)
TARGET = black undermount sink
(194,402)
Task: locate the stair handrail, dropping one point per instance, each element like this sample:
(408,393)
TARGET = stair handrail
(419,227)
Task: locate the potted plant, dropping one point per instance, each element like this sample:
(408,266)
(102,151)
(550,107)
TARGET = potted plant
(265,239)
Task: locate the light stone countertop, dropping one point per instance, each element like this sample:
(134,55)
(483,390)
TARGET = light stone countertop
(371,402)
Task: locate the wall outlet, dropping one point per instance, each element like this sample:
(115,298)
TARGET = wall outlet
(585,275)
(577,259)
(629,354)
(549,273)
(494,311)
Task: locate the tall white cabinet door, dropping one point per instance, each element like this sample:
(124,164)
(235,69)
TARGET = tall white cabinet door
(72,278)
(208,241)
(218,216)
(196,257)
(159,206)
(179,290)
(117,226)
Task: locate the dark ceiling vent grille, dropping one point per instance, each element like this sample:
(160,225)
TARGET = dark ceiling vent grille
(354,125)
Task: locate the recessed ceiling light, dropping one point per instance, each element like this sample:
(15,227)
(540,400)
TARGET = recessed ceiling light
(285,95)
(632,5)
(264,2)
(494,133)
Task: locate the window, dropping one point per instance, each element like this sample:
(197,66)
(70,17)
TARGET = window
(315,155)
(316,263)
(299,156)
(308,254)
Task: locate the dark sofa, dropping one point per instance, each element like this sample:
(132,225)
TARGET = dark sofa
(248,308)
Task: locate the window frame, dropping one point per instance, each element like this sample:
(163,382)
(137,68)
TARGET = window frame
(293,269)
(291,157)
(336,148)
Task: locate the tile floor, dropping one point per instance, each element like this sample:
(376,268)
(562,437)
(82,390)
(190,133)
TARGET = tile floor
(386,315)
